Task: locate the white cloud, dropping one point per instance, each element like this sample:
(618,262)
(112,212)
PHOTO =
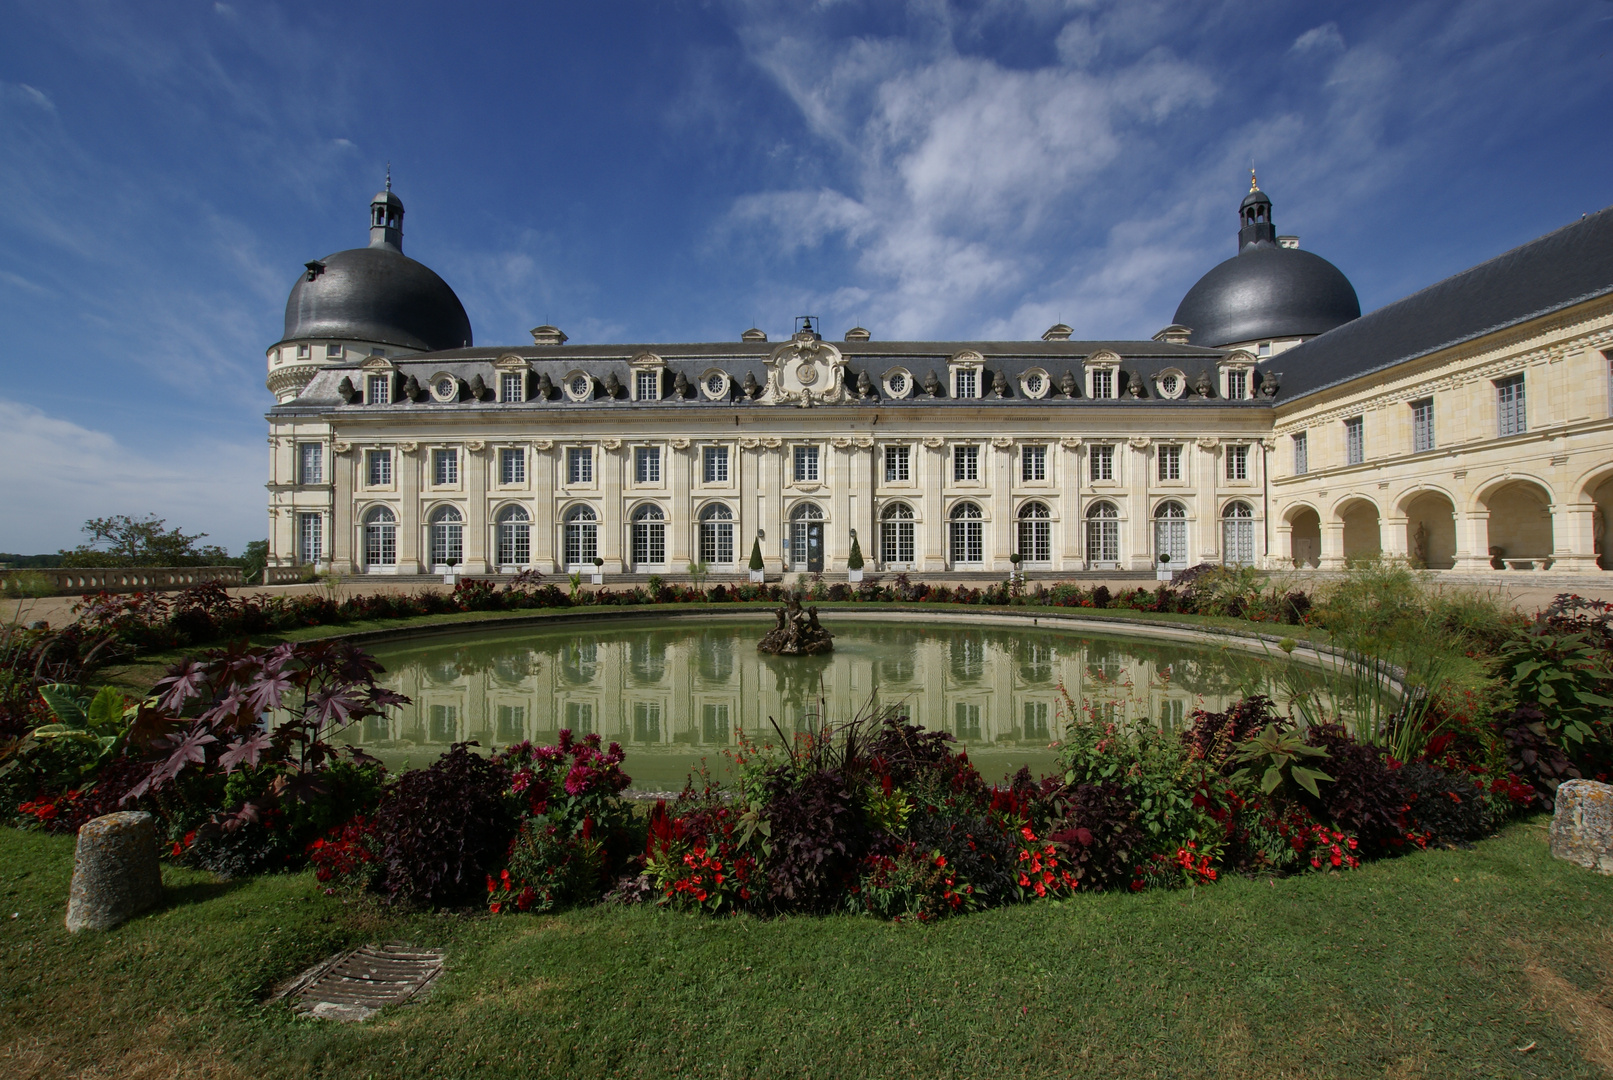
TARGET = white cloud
(59,473)
(1324,38)
(31,95)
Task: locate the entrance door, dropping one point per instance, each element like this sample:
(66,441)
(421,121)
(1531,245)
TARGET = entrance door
(814,547)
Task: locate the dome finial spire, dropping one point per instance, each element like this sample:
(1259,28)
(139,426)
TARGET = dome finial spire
(389,175)
(1254,185)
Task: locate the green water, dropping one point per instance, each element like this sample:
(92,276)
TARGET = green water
(675,693)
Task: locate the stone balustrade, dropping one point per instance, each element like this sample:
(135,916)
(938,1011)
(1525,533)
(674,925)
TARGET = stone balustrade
(69,581)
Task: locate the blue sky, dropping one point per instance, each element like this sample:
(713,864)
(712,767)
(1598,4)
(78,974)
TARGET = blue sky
(679,171)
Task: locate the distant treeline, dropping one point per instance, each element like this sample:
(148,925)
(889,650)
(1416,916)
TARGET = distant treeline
(22,562)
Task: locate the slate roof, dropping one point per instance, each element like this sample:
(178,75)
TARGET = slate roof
(1561,269)
(1140,360)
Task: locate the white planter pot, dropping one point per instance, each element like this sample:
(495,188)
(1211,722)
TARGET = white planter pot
(597,579)
(854,575)
(450,579)
(757,576)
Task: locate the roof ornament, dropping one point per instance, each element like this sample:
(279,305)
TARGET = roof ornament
(1067,384)
(1254,185)
(389,176)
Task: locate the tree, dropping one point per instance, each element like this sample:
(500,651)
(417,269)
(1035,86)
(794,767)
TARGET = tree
(121,540)
(756,554)
(855,560)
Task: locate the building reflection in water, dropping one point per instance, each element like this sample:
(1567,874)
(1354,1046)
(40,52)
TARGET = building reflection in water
(690,689)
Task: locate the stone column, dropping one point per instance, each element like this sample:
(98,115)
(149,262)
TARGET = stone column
(612,516)
(1072,517)
(680,521)
(545,521)
(748,482)
(1473,541)
(477,537)
(1204,538)
(770,475)
(1282,555)
(1573,537)
(1001,463)
(1139,552)
(931,555)
(1332,538)
(410,533)
(1392,537)
(343,537)
(863,517)
(842,485)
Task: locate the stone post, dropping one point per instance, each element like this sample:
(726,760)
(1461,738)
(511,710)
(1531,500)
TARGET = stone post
(115,871)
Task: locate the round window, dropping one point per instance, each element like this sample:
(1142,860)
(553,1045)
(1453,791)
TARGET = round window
(898,384)
(1033,384)
(579,386)
(445,388)
(1168,385)
(714,385)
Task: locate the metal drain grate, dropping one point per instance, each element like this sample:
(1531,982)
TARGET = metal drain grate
(355,985)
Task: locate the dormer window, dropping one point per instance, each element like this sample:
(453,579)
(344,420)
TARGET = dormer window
(302,352)
(966,375)
(378,390)
(647,386)
(1237,376)
(579,386)
(1263,349)
(1237,385)
(1103,375)
(512,386)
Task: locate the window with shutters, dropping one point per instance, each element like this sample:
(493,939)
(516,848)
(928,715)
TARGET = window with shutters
(1422,425)
(1510,415)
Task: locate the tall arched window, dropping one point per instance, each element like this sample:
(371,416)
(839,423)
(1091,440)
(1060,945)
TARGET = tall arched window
(896,535)
(717,535)
(1103,533)
(1170,534)
(380,537)
(806,538)
(649,536)
(514,537)
(582,537)
(1035,533)
(447,537)
(1238,534)
(968,540)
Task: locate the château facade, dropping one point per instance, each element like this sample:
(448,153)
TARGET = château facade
(1468,426)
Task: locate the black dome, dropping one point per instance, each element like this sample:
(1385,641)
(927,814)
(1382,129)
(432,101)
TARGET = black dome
(1267,291)
(376,294)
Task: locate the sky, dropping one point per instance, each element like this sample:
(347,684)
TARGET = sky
(680,171)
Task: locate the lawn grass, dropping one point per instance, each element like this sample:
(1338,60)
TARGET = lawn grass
(1439,964)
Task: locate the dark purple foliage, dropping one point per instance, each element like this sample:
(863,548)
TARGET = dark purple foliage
(1449,807)
(1533,756)
(443,830)
(1364,796)
(1213,737)
(818,837)
(1100,834)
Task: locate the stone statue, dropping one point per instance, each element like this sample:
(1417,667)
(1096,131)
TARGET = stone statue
(613,385)
(478,389)
(751,387)
(1067,384)
(932,385)
(346,391)
(999,385)
(680,386)
(413,390)
(865,385)
(1268,385)
(545,386)
(1134,386)
(797,632)
(1202,387)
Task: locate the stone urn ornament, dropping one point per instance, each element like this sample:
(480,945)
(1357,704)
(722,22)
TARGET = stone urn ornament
(115,871)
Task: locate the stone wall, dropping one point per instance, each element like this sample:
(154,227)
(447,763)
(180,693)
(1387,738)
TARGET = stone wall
(70,581)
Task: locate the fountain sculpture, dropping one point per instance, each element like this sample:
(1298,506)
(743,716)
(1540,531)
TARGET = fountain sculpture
(797,633)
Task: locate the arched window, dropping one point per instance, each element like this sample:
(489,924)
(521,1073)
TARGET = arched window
(1170,534)
(1103,533)
(896,535)
(1035,533)
(967,535)
(717,535)
(806,537)
(649,536)
(380,537)
(1238,534)
(514,537)
(447,537)
(582,537)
